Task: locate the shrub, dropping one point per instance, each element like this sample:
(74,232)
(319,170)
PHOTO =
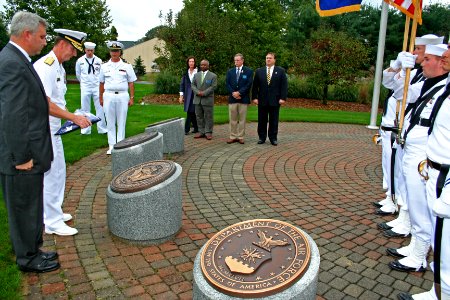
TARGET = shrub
(167,83)
(346,93)
(302,88)
(221,86)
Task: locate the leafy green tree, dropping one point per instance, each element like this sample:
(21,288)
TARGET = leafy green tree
(332,58)
(4,38)
(200,32)
(113,34)
(150,34)
(433,17)
(90,16)
(139,66)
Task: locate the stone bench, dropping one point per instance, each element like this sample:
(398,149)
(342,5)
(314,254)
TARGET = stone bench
(135,150)
(173,134)
(144,203)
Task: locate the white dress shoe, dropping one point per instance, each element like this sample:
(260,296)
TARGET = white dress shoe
(109,150)
(67,217)
(61,230)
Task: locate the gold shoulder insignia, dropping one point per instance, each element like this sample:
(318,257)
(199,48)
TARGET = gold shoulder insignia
(49,60)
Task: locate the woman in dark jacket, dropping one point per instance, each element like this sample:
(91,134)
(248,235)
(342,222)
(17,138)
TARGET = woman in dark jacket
(187,96)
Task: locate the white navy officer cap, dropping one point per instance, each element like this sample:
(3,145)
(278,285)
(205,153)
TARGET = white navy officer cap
(76,38)
(429,39)
(437,50)
(89,45)
(114,45)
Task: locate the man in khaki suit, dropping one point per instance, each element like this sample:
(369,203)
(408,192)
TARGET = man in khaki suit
(203,85)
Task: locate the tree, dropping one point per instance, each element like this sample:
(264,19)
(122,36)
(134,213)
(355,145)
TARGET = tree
(113,34)
(4,38)
(332,57)
(90,16)
(150,34)
(198,31)
(139,66)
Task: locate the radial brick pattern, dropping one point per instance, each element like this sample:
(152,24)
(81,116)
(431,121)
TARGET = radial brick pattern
(321,177)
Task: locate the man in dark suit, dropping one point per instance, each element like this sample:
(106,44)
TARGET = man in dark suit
(269,93)
(239,81)
(25,143)
(203,85)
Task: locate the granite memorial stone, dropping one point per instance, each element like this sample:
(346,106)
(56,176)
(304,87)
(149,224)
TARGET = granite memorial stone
(173,134)
(144,203)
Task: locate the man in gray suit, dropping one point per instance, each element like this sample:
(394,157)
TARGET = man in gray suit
(25,143)
(203,85)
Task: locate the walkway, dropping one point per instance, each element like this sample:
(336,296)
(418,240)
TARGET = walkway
(321,177)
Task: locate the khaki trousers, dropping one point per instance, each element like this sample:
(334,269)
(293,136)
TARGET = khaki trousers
(237,114)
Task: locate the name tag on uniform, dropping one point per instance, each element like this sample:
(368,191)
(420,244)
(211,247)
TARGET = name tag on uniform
(244,76)
(209,81)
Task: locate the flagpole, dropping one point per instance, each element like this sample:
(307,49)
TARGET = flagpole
(405,45)
(408,70)
(379,66)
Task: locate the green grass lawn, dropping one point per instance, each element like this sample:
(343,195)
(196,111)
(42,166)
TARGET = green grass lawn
(77,146)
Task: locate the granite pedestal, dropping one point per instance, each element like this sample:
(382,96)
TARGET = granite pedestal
(149,216)
(304,289)
(173,134)
(136,150)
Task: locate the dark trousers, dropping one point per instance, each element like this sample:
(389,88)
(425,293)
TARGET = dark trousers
(268,114)
(24,202)
(190,118)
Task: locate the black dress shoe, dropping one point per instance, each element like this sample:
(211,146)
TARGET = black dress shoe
(404,296)
(384,226)
(377,204)
(274,142)
(261,142)
(392,234)
(194,131)
(49,255)
(396,265)
(43,266)
(394,252)
(384,213)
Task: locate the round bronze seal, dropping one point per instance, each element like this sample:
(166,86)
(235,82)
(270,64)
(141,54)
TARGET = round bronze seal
(143,176)
(135,140)
(163,122)
(255,258)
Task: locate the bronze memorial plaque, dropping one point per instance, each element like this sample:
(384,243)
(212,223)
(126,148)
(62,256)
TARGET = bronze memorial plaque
(143,176)
(135,140)
(255,258)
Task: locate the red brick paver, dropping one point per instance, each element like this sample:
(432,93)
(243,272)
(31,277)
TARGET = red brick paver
(321,177)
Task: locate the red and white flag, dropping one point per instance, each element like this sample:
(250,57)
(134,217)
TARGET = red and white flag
(406,7)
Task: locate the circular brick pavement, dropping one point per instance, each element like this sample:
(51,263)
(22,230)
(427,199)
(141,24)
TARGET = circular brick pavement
(321,177)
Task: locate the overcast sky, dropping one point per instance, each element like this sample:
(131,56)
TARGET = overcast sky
(133,18)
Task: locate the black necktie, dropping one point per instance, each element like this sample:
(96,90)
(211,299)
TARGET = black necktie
(91,66)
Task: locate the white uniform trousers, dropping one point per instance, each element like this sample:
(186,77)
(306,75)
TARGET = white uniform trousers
(116,108)
(237,113)
(86,95)
(54,185)
(417,195)
(399,180)
(386,159)
(445,240)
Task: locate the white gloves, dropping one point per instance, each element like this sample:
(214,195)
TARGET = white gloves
(408,60)
(441,207)
(397,64)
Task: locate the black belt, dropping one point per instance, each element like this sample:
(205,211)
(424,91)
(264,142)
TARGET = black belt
(424,122)
(393,129)
(433,165)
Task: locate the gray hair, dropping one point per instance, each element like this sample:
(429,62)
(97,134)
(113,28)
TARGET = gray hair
(24,20)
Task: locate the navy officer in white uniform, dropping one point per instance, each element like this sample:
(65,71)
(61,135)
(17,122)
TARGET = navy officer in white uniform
(116,80)
(53,77)
(87,70)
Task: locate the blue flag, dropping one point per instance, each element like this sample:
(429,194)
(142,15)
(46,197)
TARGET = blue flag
(327,8)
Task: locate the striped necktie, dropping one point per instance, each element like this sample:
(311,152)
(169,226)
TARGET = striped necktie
(268,75)
(203,77)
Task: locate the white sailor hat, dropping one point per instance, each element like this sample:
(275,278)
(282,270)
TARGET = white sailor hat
(437,50)
(89,45)
(114,45)
(429,39)
(76,38)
